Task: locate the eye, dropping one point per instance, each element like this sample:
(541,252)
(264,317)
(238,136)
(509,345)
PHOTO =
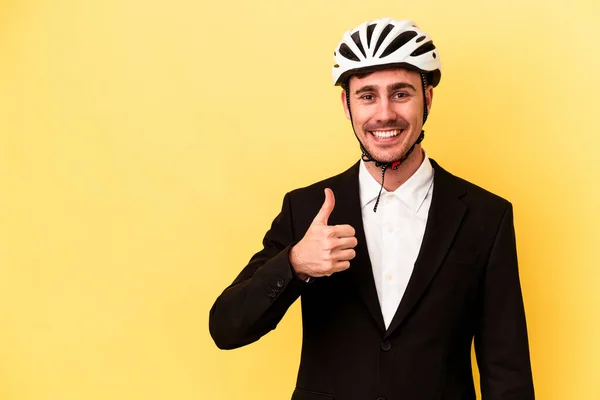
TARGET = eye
(401,95)
(367,97)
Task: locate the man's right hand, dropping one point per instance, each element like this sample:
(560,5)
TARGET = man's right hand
(324,249)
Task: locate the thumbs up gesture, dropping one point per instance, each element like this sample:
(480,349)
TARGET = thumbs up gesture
(324,249)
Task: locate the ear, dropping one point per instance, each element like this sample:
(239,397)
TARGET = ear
(429,97)
(345,104)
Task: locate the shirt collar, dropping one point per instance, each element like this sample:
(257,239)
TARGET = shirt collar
(412,192)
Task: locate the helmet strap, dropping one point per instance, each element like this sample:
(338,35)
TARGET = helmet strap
(424,84)
(366,157)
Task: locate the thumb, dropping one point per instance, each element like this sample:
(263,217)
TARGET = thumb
(326,209)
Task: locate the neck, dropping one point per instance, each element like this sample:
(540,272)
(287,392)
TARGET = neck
(395,178)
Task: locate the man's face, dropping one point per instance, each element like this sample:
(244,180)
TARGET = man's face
(387,111)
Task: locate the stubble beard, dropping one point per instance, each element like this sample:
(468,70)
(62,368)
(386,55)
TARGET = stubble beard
(384,156)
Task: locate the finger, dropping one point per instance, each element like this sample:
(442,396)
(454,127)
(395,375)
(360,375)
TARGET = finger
(343,231)
(344,255)
(326,209)
(337,266)
(345,243)
(342,266)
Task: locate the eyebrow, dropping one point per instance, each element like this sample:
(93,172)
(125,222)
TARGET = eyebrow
(390,88)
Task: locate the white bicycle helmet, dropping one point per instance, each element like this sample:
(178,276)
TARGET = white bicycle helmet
(386,43)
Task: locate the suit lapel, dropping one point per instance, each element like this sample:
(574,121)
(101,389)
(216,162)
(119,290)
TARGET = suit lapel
(445,215)
(348,211)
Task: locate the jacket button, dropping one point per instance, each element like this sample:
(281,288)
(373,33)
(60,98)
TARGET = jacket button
(381,398)
(280,283)
(386,345)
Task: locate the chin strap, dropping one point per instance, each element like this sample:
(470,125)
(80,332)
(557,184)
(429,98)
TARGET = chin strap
(366,157)
(394,165)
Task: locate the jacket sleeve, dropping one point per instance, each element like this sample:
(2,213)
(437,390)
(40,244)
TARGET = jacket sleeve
(501,343)
(258,298)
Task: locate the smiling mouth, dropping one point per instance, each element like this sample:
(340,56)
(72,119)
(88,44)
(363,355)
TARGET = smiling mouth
(386,134)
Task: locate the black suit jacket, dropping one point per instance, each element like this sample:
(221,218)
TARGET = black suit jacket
(465,285)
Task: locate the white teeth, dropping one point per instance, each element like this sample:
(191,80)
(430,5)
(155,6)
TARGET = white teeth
(386,134)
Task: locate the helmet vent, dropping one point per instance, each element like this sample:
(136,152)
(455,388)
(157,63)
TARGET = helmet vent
(370,30)
(347,53)
(382,36)
(420,39)
(423,49)
(356,38)
(398,42)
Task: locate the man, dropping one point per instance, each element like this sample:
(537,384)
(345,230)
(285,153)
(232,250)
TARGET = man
(401,265)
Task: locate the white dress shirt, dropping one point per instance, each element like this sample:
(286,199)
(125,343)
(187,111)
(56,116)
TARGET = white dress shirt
(394,233)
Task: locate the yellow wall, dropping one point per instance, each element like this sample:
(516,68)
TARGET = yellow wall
(145,147)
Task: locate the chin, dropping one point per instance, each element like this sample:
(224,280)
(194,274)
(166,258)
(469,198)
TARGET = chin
(386,159)
(387,156)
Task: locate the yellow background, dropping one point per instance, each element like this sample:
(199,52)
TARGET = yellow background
(145,147)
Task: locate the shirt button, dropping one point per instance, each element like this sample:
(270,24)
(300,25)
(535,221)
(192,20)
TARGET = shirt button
(386,345)
(391,230)
(390,197)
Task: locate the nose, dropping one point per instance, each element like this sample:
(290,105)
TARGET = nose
(385,112)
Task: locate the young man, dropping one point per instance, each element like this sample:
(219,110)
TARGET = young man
(401,265)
